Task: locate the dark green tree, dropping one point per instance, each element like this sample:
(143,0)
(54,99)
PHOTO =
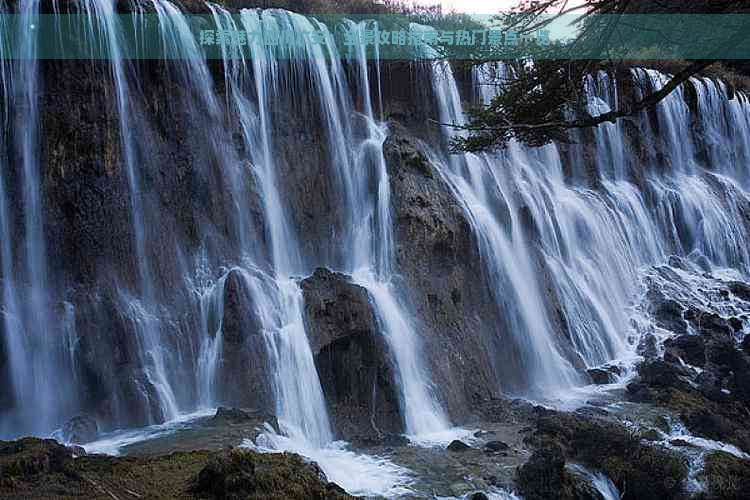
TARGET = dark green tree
(541,102)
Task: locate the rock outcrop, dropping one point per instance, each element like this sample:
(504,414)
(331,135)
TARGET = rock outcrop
(703,375)
(437,257)
(638,469)
(352,357)
(243,375)
(35,468)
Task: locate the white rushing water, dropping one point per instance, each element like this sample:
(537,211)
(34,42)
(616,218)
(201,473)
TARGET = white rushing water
(593,239)
(603,485)
(102,18)
(478,188)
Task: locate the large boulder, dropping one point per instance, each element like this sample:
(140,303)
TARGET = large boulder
(639,470)
(543,475)
(352,357)
(80,429)
(28,457)
(689,348)
(237,473)
(243,376)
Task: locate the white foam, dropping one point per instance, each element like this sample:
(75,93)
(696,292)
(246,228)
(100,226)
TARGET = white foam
(112,442)
(358,474)
(441,438)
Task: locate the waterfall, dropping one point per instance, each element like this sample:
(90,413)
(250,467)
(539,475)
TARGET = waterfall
(372,266)
(562,252)
(595,240)
(366,249)
(143,310)
(12,327)
(505,254)
(300,404)
(30,331)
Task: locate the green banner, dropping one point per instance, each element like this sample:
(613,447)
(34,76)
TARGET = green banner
(283,35)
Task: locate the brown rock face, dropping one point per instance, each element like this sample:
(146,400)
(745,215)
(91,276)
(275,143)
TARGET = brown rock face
(438,264)
(243,375)
(352,358)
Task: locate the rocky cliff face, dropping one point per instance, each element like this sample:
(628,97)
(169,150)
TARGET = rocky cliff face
(196,179)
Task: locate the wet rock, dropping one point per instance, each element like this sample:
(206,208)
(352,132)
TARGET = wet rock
(80,430)
(710,386)
(740,290)
(543,476)
(639,392)
(705,423)
(495,446)
(689,348)
(458,446)
(658,373)
(647,347)
(666,312)
(243,356)
(352,357)
(478,496)
(601,376)
(230,415)
(735,323)
(237,473)
(236,416)
(712,325)
(336,308)
(639,470)
(678,262)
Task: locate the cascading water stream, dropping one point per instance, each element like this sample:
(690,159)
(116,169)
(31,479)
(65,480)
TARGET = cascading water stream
(371,267)
(367,220)
(12,327)
(143,310)
(30,331)
(506,256)
(577,229)
(300,403)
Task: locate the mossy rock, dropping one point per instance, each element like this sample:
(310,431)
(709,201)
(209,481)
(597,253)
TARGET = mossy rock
(35,468)
(638,469)
(29,457)
(726,476)
(416,160)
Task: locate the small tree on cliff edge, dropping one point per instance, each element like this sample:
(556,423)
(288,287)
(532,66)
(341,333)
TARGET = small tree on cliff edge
(540,102)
